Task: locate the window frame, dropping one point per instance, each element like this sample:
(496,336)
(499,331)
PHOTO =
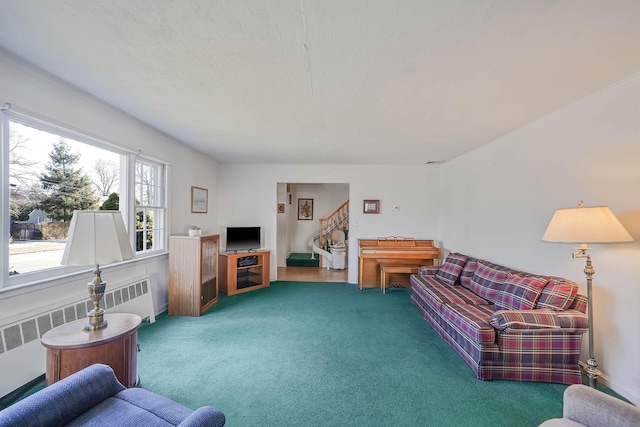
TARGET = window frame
(128,160)
(159,233)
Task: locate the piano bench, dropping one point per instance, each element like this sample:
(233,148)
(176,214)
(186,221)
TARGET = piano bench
(386,269)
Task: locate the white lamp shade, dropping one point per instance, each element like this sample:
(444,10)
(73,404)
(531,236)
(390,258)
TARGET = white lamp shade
(596,224)
(96,237)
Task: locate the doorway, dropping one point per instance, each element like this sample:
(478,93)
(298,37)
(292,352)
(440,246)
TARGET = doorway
(296,230)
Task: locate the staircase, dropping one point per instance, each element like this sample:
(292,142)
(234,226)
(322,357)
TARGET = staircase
(321,242)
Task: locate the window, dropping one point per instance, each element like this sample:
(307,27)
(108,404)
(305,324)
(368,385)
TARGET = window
(150,206)
(48,171)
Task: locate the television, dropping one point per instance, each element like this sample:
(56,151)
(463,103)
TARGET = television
(242,238)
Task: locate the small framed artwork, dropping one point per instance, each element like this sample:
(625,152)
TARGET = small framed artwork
(280,207)
(199,200)
(371,207)
(305,209)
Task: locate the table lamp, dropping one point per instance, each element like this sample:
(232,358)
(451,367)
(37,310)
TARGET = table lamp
(96,237)
(585,225)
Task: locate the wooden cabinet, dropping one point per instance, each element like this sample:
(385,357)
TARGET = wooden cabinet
(193,274)
(243,272)
(70,348)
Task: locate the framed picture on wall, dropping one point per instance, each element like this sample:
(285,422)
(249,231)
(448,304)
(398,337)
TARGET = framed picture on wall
(305,209)
(199,200)
(371,207)
(280,207)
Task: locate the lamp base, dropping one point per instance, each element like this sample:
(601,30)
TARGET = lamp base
(96,320)
(592,372)
(96,292)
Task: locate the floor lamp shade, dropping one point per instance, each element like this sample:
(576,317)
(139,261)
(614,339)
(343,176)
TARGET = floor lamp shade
(96,237)
(596,224)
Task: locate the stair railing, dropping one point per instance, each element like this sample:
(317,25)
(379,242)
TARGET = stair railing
(325,256)
(338,220)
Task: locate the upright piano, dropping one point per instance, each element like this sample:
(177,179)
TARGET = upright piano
(393,250)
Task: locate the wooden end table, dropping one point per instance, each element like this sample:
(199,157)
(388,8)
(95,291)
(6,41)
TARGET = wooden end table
(70,348)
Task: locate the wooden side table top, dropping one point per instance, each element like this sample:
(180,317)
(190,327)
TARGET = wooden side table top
(72,335)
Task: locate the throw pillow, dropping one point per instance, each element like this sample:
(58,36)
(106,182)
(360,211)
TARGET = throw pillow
(467,273)
(487,281)
(520,293)
(558,294)
(452,267)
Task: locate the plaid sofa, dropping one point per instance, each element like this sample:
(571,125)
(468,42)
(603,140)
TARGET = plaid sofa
(506,324)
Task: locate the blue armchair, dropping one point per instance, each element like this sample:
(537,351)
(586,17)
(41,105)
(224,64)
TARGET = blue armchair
(94,397)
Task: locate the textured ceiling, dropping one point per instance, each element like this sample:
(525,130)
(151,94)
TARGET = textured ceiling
(330,81)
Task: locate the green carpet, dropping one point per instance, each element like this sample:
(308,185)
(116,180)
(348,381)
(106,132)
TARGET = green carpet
(326,354)
(302,260)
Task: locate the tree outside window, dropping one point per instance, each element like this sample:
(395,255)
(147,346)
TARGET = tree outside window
(53,171)
(67,187)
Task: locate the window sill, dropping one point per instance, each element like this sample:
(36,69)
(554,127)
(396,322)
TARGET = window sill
(55,280)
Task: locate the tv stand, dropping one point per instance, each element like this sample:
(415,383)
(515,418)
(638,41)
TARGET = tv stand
(243,272)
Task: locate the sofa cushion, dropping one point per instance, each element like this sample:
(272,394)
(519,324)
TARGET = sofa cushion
(579,303)
(162,407)
(140,407)
(471,321)
(520,293)
(487,281)
(558,294)
(467,273)
(450,271)
(114,412)
(436,293)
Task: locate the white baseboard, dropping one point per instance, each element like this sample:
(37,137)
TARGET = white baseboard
(631,395)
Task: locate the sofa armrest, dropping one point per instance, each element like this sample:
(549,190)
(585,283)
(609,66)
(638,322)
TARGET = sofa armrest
(64,400)
(205,416)
(428,270)
(539,319)
(594,408)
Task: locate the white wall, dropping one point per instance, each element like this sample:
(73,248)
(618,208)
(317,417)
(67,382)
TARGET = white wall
(248,194)
(282,225)
(32,90)
(497,201)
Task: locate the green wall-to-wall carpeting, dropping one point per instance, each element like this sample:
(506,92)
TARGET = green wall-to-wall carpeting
(326,354)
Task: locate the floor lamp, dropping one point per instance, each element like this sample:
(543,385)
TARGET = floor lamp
(96,237)
(585,225)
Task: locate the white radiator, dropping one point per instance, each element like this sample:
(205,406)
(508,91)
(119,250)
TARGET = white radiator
(23,357)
